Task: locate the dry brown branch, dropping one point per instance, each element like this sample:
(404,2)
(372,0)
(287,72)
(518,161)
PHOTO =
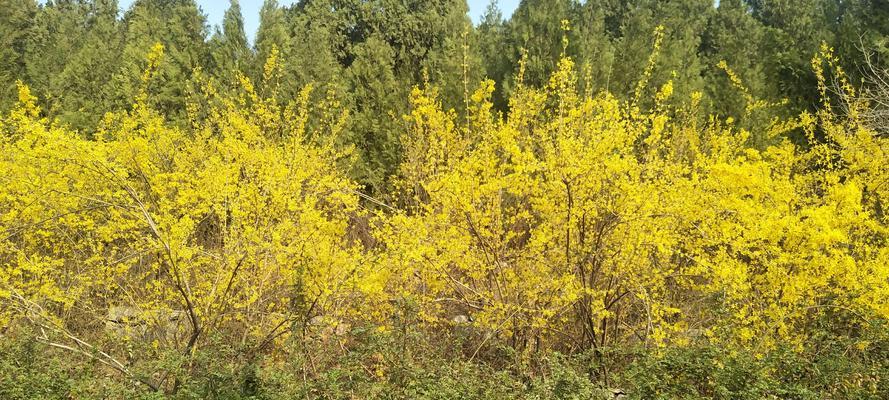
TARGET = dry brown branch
(50,329)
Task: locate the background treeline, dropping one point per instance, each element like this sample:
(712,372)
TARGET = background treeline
(83,58)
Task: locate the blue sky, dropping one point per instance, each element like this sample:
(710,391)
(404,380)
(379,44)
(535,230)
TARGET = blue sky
(216,8)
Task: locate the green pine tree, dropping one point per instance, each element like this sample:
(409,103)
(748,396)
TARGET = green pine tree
(736,37)
(595,48)
(230,50)
(376,102)
(180,26)
(58,32)
(16,17)
(372,52)
(272,34)
(83,91)
(795,31)
(678,59)
(864,27)
(536,28)
(492,44)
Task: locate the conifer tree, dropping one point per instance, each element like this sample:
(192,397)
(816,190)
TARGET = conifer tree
(180,26)
(375,98)
(83,94)
(595,49)
(382,44)
(272,34)
(864,27)
(16,18)
(316,49)
(795,31)
(231,52)
(733,35)
(491,33)
(677,59)
(453,62)
(58,32)
(536,28)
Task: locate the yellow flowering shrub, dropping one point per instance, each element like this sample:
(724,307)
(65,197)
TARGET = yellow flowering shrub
(582,222)
(574,222)
(234,226)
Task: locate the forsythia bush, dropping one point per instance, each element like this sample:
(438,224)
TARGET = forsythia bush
(585,219)
(235,226)
(574,222)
